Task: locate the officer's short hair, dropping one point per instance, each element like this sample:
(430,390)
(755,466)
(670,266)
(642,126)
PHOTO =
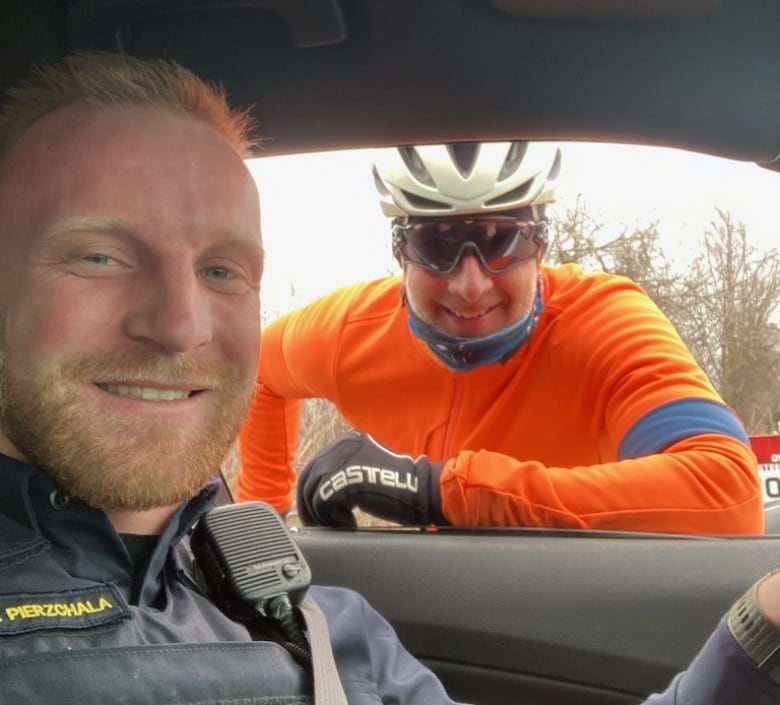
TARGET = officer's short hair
(106,79)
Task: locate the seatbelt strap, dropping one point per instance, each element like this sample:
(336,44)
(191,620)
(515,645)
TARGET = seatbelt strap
(327,684)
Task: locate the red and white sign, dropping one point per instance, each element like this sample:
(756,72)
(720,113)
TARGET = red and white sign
(767,450)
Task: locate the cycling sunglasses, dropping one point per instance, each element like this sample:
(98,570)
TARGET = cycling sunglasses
(438,245)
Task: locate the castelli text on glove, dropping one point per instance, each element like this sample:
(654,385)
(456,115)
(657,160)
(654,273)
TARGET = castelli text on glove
(357,472)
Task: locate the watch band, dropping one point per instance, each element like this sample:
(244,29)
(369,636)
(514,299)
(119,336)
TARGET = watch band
(758,637)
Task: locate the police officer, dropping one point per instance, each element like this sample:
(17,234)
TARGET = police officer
(130,260)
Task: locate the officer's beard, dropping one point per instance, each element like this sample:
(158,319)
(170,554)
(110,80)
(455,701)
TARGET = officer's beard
(120,461)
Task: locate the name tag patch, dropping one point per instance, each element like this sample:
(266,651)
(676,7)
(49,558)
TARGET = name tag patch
(72,609)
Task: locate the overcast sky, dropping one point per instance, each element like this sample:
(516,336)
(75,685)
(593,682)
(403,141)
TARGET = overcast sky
(322,224)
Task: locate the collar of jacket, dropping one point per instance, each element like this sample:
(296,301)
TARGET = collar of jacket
(38,517)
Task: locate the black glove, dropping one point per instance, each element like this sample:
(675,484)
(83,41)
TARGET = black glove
(355,471)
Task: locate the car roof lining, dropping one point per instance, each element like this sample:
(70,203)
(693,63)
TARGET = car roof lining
(688,81)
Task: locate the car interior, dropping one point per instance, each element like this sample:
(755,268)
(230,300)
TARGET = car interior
(510,615)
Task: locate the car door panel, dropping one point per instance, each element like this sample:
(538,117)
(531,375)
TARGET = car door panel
(542,616)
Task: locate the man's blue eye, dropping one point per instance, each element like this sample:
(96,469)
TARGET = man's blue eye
(218,273)
(97,258)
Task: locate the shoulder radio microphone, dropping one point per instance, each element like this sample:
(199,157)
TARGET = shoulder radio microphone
(250,564)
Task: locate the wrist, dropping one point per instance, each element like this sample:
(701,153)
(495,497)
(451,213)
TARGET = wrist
(754,631)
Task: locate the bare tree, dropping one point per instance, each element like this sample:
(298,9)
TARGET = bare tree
(636,254)
(320,424)
(732,294)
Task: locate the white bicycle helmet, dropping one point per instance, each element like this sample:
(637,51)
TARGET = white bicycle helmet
(465,177)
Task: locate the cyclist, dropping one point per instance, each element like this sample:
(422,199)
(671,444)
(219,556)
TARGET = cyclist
(489,388)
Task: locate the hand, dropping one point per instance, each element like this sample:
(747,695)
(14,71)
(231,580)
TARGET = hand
(355,471)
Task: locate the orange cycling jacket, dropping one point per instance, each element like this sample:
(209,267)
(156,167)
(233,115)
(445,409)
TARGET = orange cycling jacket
(601,420)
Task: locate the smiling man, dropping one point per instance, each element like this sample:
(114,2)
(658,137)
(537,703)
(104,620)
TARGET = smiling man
(111,332)
(488,388)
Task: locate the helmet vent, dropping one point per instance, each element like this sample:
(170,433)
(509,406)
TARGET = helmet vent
(380,186)
(514,158)
(513,196)
(464,156)
(415,165)
(425,204)
(556,167)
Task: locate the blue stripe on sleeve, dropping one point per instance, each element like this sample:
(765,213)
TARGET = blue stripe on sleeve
(679,419)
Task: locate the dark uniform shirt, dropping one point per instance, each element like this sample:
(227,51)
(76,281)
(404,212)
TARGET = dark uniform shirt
(80,626)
